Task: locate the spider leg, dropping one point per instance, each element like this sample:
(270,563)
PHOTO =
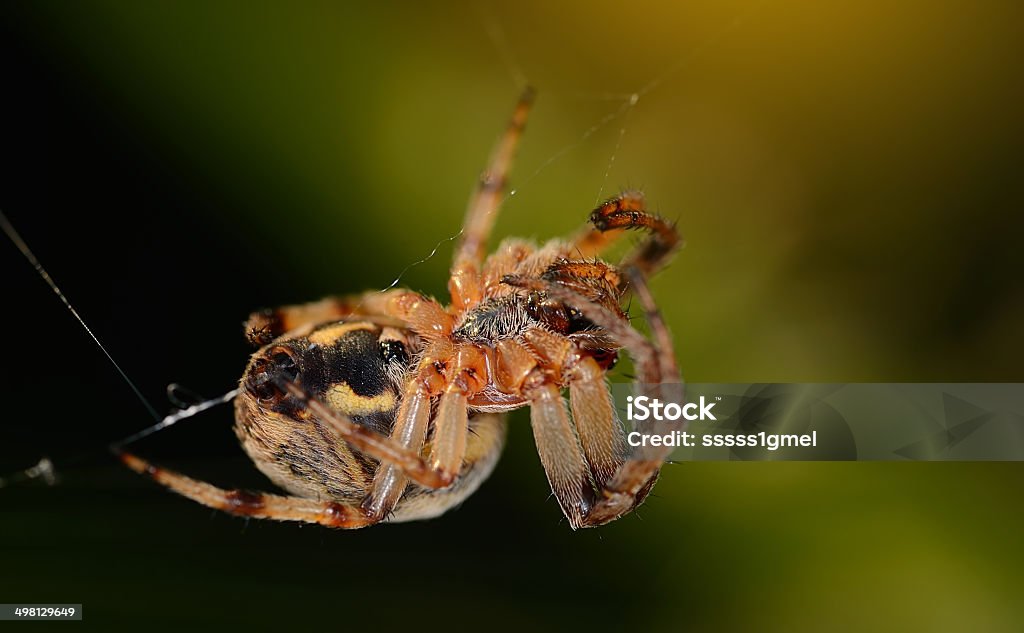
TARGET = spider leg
(597,281)
(636,476)
(467,376)
(601,435)
(253,504)
(450,444)
(590,242)
(578,274)
(409,432)
(486,437)
(657,373)
(629,211)
(483,446)
(266,325)
(559,450)
(650,365)
(465,283)
(580,455)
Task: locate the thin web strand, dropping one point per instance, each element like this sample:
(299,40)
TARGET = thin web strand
(23,247)
(615,150)
(497,36)
(701,48)
(629,100)
(174,418)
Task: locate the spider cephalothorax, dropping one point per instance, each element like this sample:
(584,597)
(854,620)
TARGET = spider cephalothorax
(387,405)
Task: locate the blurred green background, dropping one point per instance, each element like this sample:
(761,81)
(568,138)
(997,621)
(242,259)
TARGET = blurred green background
(847,179)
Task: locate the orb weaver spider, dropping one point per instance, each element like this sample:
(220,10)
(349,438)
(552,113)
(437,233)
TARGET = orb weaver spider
(387,406)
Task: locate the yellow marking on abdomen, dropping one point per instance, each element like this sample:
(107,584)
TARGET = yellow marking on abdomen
(330,334)
(341,397)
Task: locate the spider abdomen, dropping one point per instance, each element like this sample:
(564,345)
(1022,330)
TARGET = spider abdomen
(357,369)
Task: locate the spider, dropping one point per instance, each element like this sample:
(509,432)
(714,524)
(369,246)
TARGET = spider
(387,406)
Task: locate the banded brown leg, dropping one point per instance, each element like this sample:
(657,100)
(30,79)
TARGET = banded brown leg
(464,286)
(628,211)
(253,504)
